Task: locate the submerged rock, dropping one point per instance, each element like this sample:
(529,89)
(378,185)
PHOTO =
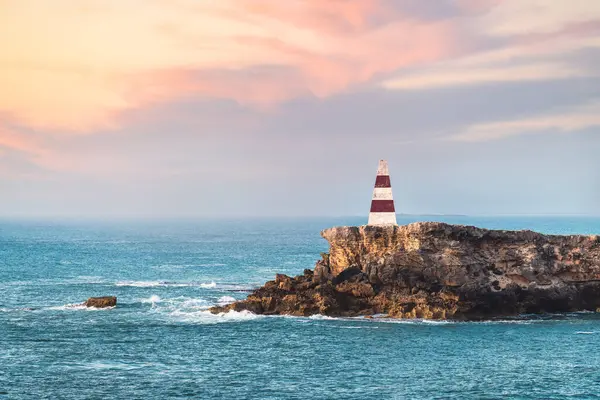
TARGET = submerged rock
(101,302)
(438,271)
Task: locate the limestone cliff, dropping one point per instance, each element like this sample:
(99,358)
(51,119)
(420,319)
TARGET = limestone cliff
(436,270)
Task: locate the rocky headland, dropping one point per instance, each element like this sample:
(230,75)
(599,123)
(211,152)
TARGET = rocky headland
(438,271)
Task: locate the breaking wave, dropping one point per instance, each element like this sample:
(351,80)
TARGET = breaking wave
(17,309)
(181,302)
(76,306)
(206,317)
(419,321)
(64,307)
(195,310)
(381,319)
(224,300)
(138,283)
(145,284)
(320,316)
(358,327)
(152,299)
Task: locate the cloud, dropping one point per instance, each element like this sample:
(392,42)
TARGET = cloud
(75,67)
(528,55)
(568,120)
(19,148)
(37,151)
(454,75)
(515,17)
(9,139)
(83,65)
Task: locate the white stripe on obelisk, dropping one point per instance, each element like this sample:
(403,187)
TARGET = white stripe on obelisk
(382,218)
(382,194)
(382,169)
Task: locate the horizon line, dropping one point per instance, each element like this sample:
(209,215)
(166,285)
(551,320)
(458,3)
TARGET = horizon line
(282,217)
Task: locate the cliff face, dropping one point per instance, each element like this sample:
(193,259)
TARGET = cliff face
(458,255)
(436,270)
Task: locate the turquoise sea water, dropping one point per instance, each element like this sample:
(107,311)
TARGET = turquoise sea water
(161,343)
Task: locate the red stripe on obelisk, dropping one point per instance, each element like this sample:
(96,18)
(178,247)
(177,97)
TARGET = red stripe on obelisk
(382,206)
(383,181)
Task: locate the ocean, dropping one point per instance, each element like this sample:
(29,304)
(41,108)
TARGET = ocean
(161,343)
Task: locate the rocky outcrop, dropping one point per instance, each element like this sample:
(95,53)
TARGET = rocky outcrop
(101,302)
(438,271)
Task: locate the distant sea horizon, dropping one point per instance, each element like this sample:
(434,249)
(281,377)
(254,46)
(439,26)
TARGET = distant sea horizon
(230,217)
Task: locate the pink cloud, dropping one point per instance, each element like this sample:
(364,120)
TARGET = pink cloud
(477,6)
(361,42)
(259,53)
(13,140)
(356,58)
(35,148)
(332,16)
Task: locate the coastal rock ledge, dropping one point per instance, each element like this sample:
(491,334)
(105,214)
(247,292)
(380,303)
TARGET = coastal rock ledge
(438,271)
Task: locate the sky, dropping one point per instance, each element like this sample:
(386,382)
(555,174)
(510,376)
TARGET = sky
(227,108)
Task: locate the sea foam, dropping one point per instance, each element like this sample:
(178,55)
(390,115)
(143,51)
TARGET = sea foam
(75,307)
(206,317)
(224,300)
(147,284)
(152,299)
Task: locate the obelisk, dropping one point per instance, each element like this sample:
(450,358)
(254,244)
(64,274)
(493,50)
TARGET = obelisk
(382,204)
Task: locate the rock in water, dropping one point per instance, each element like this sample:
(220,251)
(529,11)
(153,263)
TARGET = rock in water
(101,302)
(438,271)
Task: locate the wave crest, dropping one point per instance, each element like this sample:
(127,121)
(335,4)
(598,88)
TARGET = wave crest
(76,306)
(146,284)
(206,317)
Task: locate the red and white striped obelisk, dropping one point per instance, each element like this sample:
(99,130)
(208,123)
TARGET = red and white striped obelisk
(382,205)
